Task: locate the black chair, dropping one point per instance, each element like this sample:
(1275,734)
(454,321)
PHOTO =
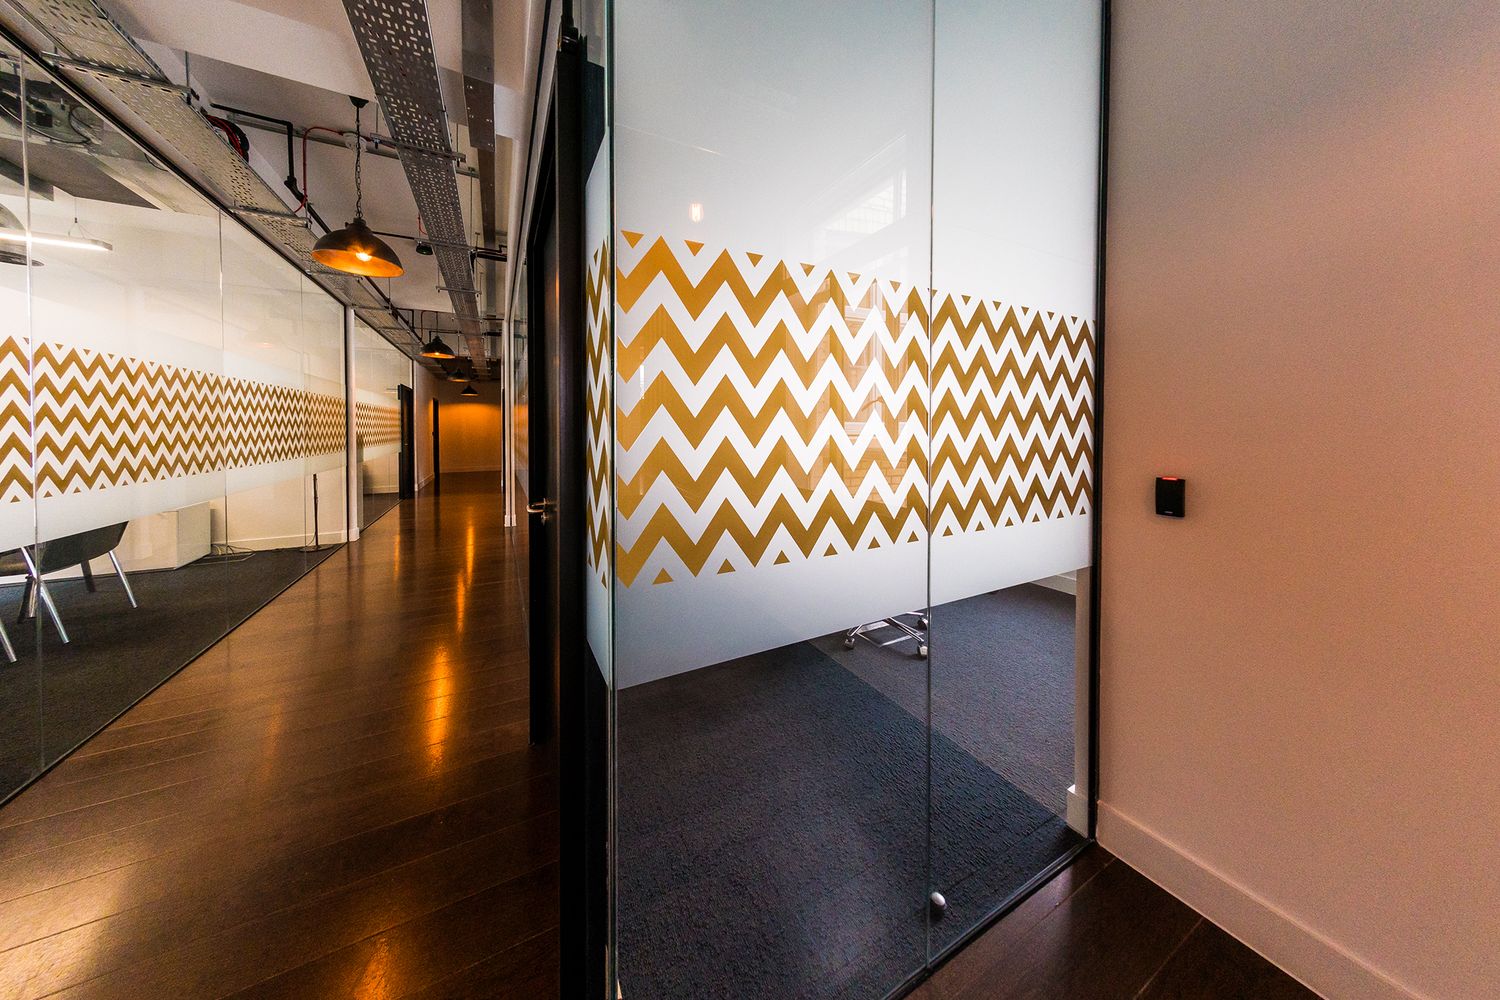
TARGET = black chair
(36,561)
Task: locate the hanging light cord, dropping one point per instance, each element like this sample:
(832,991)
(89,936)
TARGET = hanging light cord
(359,144)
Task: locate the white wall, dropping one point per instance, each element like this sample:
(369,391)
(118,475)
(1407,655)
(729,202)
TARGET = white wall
(1300,691)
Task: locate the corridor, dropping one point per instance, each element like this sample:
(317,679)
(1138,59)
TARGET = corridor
(338,799)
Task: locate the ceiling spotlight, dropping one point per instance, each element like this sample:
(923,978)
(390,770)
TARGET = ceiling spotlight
(435,348)
(425,249)
(469,390)
(355,249)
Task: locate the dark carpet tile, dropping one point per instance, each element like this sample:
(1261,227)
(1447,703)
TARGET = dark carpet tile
(56,699)
(772,833)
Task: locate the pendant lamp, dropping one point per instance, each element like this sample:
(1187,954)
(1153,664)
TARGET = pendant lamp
(355,249)
(435,348)
(469,390)
(458,375)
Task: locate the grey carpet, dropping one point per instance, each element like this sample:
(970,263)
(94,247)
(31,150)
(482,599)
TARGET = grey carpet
(1003,669)
(54,701)
(772,833)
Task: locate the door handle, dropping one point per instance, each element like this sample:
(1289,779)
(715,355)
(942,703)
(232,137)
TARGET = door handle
(542,507)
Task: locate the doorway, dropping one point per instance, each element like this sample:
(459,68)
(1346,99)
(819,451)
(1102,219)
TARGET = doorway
(569,699)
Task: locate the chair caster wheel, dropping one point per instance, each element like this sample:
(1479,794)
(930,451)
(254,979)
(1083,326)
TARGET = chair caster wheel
(922,651)
(849,642)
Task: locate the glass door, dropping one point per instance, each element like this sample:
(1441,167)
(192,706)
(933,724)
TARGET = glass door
(842,266)
(1014,216)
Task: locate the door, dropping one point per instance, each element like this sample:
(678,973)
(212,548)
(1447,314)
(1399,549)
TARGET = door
(408,469)
(568,697)
(437,462)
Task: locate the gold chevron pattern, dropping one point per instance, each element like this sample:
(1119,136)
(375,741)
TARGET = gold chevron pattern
(768,411)
(377,425)
(107,420)
(15,422)
(598,401)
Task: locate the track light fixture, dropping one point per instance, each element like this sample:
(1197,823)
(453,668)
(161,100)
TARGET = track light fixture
(355,249)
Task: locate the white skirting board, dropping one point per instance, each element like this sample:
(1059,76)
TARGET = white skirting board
(1319,963)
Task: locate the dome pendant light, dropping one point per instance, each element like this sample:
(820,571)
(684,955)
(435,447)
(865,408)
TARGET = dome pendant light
(355,249)
(435,348)
(469,390)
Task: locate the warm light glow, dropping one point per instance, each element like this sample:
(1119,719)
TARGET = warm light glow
(439,708)
(695,211)
(356,250)
(41,239)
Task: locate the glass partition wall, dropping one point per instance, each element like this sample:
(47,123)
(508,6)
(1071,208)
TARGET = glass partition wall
(172,426)
(379,369)
(841,400)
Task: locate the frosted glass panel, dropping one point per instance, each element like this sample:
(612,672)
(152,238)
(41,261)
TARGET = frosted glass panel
(1015,182)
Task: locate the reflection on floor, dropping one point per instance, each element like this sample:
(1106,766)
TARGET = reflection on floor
(374,505)
(338,800)
(772,811)
(53,701)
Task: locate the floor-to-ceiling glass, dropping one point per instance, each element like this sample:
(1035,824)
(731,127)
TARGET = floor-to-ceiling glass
(379,369)
(1014,214)
(172,430)
(850,330)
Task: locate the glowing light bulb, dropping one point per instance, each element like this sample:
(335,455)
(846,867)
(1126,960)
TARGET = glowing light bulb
(362,255)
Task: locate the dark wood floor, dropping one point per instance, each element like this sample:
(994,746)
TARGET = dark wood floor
(1102,931)
(337,800)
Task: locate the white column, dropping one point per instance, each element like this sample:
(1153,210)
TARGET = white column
(351,455)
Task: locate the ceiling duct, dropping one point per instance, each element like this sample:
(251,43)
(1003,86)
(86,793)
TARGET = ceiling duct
(87,42)
(395,40)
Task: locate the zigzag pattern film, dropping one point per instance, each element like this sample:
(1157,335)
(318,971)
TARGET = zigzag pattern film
(15,422)
(781,411)
(105,420)
(1012,415)
(599,403)
(377,425)
(770,411)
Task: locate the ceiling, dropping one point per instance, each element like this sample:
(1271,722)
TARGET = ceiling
(299,61)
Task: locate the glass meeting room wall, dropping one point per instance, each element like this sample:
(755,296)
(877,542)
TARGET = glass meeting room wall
(173,435)
(850,331)
(379,369)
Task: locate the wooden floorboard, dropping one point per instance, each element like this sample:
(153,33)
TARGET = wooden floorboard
(1102,931)
(338,799)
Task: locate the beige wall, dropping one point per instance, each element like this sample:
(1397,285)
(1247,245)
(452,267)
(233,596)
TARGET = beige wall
(469,427)
(422,392)
(1301,681)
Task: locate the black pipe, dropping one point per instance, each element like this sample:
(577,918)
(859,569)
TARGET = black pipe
(291,158)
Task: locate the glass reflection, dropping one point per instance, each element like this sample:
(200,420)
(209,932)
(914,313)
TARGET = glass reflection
(173,402)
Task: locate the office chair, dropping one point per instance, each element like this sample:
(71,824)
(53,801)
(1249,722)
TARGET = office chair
(919,633)
(36,561)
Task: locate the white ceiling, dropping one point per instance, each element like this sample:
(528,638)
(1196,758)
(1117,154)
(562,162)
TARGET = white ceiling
(297,59)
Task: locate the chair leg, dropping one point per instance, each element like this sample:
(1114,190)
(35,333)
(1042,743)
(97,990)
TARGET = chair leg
(10,651)
(88,577)
(41,589)
(129,594)
(28,603)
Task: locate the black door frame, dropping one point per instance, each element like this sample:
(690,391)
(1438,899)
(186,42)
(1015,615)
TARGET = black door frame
(569,696)
(406,489)
(437,463)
